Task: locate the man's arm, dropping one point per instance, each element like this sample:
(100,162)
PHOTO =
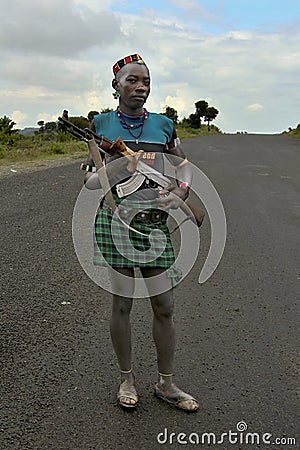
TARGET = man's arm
(183,172)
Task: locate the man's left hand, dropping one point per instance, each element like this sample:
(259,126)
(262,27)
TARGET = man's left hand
(171,199)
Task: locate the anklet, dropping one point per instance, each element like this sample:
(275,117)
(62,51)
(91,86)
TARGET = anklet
(165,375)
(126,371)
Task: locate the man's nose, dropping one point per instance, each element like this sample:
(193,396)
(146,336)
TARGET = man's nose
(141,87)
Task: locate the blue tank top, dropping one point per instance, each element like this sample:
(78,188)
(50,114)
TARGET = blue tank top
(157,136)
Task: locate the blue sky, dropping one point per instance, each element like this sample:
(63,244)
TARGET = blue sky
(222,15)
(243,57)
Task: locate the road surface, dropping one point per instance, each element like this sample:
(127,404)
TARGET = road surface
(237,334)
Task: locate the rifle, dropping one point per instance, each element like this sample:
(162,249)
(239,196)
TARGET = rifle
(143,170)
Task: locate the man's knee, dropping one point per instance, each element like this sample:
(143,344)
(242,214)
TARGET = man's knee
(121,305)
(163,307)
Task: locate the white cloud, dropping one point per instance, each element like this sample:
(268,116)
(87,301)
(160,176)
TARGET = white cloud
(255,107)
(94,5)
(46,68)
(55,27)
(19,118)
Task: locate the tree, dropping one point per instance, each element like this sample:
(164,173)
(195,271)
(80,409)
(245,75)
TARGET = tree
(185,122)
(106,110)
(91,115)
(6,125)
(171,113)
(80,121)
(41,124)
(202,110)
(194,120)
(210,114)
(201,107)
(50,126)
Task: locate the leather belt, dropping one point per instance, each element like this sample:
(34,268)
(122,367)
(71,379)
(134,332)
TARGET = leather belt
(140,216)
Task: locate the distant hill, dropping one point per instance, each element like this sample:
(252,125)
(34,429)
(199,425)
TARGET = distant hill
(29,131)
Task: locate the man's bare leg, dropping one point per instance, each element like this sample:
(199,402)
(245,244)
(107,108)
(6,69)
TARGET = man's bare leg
(164,338)
(120,330)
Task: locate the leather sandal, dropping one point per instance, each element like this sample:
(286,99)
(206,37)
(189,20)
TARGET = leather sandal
(175,398)
(127,391)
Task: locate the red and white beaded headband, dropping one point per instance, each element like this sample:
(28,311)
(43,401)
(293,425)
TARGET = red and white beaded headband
(128,59)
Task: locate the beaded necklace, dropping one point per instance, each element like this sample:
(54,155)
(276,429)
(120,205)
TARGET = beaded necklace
(130,127)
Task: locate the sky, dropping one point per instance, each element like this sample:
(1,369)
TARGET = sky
(242,57)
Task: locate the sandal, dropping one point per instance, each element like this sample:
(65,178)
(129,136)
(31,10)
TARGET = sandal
(175,398)
(127,391)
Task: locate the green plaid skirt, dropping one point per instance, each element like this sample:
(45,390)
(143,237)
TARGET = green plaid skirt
(117,246)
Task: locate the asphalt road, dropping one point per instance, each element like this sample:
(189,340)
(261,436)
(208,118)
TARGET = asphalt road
(237,334)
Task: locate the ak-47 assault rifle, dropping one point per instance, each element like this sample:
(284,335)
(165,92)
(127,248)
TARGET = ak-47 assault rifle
(143,171)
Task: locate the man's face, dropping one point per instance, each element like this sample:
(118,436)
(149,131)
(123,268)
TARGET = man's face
(133,82)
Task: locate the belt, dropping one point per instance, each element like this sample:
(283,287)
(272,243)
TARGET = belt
(139,216)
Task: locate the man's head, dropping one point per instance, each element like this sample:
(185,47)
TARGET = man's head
(132,82)
(135,58)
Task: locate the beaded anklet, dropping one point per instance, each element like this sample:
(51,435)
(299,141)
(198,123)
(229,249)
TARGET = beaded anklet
(125,371)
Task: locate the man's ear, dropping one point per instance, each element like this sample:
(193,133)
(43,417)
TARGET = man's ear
(115,84)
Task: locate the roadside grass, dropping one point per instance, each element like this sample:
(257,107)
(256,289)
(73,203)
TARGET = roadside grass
(294,132)
(21,149)
(188,132)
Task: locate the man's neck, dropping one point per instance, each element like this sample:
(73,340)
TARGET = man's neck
(134,112)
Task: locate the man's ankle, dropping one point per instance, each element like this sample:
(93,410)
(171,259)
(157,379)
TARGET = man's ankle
(127,375)
(165,380)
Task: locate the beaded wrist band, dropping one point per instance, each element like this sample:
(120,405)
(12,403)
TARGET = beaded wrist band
(184,185)
(88,167)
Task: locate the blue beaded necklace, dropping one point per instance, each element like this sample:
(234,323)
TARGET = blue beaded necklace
(122,118)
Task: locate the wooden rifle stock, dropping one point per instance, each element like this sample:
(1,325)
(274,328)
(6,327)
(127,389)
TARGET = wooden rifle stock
(196,212)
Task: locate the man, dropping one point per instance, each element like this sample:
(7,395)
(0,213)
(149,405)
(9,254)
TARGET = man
(156,136)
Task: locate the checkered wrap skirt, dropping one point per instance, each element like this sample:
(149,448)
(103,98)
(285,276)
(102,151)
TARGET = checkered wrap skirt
(119,247)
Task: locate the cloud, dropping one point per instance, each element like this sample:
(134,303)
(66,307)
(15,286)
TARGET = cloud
(19,118)
(55,27)
(255,107)
(57,55)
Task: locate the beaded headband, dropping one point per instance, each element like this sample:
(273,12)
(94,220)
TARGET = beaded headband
(128,59)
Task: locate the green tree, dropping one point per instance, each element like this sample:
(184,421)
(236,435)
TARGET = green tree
(41,124)
(91,115)
(50,126)
(201,108)
(194,120)
(210,115)
(184,122)
(6,125)
(106,110)
(80,121)
(171,113)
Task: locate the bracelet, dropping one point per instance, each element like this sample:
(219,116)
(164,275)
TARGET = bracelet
(184,185)
(88,167)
